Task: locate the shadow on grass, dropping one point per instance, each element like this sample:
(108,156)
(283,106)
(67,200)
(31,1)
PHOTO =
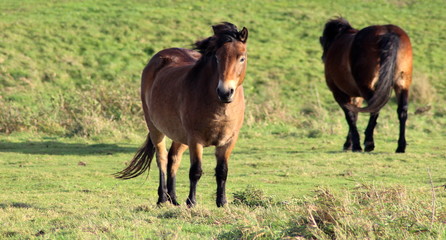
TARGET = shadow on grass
(61,148)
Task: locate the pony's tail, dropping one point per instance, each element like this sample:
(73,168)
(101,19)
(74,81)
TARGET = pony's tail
(140,162)
(388,47)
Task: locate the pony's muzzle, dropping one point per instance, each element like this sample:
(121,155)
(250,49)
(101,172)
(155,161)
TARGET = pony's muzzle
(225,95)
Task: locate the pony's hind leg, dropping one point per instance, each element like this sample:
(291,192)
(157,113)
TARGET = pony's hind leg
(158,140)
(173,162)
(195,172)
(369,143)
(403,103)
(221,171)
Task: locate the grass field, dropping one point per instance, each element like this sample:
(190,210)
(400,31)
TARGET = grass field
(70,117)
(63,188)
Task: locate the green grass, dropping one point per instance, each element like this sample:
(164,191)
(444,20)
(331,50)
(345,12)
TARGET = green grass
(70,117)
(73,68)
(275,185)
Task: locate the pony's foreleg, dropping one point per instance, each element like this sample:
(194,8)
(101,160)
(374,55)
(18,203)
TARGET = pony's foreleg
(353,134)
(403,104)
(369,144)
(173,162)
(161,160)
(196,152)
(221,171)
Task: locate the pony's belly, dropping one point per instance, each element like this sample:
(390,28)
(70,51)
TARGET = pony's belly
(178,137)
(210,135)
(170,127)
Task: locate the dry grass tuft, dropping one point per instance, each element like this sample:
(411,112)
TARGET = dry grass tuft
(369,212)
(422,92)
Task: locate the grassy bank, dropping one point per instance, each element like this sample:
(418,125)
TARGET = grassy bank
(72,68)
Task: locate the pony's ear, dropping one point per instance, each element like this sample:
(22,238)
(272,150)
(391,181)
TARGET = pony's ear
(244,35)
(215,28)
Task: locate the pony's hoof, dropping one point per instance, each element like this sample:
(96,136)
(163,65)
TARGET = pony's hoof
(346,149)
(161,201)
(369,146)
(401,147)
(357,149)
(190,203)
(400,150)
(172,198)
(347,146)
(221,203)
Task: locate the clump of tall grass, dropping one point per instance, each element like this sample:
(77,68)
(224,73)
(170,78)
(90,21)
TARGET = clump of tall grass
(252,197)
(369,212)
(366,212)
(98,110)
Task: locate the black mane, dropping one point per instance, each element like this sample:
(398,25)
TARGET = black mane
(224,32)
(333,28)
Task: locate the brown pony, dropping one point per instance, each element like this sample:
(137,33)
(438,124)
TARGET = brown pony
(196,99)
(367,64)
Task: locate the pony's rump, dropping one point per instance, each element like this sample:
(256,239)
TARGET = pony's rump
(388,45)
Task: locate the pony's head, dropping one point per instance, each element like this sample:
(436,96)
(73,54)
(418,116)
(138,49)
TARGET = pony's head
(227,48)
(333,28)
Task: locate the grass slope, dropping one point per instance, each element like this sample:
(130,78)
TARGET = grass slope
(73,68)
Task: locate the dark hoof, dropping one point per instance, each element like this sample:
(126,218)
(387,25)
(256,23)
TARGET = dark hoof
(357,149)
(190,203)
(173,199)
(161,201)
(347,146)
(221,203)
(401,147)
(400,150)
(369,146)
(174,202)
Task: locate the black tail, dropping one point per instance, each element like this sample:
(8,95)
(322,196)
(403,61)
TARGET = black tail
(140,162)
(388,45)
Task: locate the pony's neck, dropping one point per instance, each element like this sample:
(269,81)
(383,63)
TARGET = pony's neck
(206,73)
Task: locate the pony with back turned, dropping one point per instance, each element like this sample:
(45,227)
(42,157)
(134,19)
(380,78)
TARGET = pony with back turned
(196,99)
(367,64)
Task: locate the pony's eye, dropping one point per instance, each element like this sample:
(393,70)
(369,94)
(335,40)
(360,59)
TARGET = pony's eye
(242,59)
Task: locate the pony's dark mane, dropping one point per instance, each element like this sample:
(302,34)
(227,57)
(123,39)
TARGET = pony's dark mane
(333,28)
(223,33)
